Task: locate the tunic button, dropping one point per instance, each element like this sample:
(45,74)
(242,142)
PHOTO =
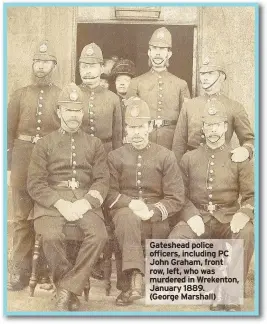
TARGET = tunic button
(92,128)
(40,113)
(74,171)
(210,196)
(138,181)
(160,95)
(160,102)
(40,105)
(73,147)
(159,117)
(160,76)
(210,202)
(210,179)
(39,121)
(211,163)
(72,139)
(210,188)
(73,154)
(139,156)
(41,98)
(159,109)
(139,173)
(212,156)
(38,128)
(211,171)
(42,91)
(202,136)
(91,113)
(92,93)
(91,120)
(139,164)
(74,163)
(91,98)
(92,134)
(160,88)
(201,144)
(140,192)
(91,105)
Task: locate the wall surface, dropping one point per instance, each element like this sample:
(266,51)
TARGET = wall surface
(227,33)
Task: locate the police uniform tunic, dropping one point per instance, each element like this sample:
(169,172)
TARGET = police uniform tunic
(70,167)
(102,116)
(153,176)
(213,184)
(31,115)
(188,133)
(164,93)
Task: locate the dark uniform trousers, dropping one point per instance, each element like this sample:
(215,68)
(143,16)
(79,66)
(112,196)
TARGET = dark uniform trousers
(131,233)
(214,229)
(64,274)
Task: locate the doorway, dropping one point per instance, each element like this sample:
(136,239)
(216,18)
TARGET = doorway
(130,41)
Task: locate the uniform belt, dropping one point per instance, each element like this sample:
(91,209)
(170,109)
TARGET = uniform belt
(215,207)
(157,123)
(28,138)
(69,184)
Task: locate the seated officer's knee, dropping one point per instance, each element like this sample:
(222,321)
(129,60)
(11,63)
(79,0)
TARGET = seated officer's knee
(125,215)
(100,237)
(182,231)
(247,233)
(53,235)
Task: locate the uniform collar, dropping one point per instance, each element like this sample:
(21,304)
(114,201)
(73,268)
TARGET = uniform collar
(99,88)
(219,149)
(160,73)
(140,151)
(214,95)
(62,131)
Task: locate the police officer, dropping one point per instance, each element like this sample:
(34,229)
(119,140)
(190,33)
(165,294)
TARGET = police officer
(122,73)
(68,180)
(214,183)
(163,92)
(146,188)
(188,133)
(31,115)
(102,114)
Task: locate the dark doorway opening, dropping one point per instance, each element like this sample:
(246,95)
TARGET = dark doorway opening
(131,41)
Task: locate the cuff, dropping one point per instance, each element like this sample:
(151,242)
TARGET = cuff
(247,210)
(162,209)
(120,201)
(250,149)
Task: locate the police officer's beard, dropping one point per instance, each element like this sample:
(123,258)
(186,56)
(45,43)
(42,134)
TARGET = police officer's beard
(44,80)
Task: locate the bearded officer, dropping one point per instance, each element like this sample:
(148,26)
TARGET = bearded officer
(69,179)
(122,73)
(146,188)
(102,112)
(163,92)
(31,115)
(214,184)
(189,135)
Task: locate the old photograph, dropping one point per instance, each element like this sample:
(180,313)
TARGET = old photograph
(131,155)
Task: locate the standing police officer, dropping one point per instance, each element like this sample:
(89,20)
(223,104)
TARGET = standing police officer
(102,112)
(188,133)
(31,115)
(163,92)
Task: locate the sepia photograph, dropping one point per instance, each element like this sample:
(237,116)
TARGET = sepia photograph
(132,159)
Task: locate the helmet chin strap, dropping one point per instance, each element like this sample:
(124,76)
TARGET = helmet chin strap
(213,82)
(67,124)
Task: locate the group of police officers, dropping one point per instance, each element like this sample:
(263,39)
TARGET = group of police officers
(155,162)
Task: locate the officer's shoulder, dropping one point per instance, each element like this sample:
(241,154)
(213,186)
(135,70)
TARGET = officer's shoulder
(178,80)
(164,152)
(192,102)
(235,105)
(118,153)
(113,96)
(141,77)
(192,155)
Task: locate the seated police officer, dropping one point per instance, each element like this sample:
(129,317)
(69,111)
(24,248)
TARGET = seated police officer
(146,187)
(214,183)
(68,179)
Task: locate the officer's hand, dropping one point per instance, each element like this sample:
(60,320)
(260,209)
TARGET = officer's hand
(80,207)
(157,216)
(137,204)
(144,214)
(197,225)
(8,178)
(65,209)
(240,154)
(238,222)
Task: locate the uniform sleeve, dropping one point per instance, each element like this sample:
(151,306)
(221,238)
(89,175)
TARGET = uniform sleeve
(13,115)
(184,93)
(117,125)
(246,187)
(243,128)
(172,188)
(132,89)
(189,210)
(115,199)
(37,182)
(100,183)
(180,138)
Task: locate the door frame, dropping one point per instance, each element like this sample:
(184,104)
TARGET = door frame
(197,36)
